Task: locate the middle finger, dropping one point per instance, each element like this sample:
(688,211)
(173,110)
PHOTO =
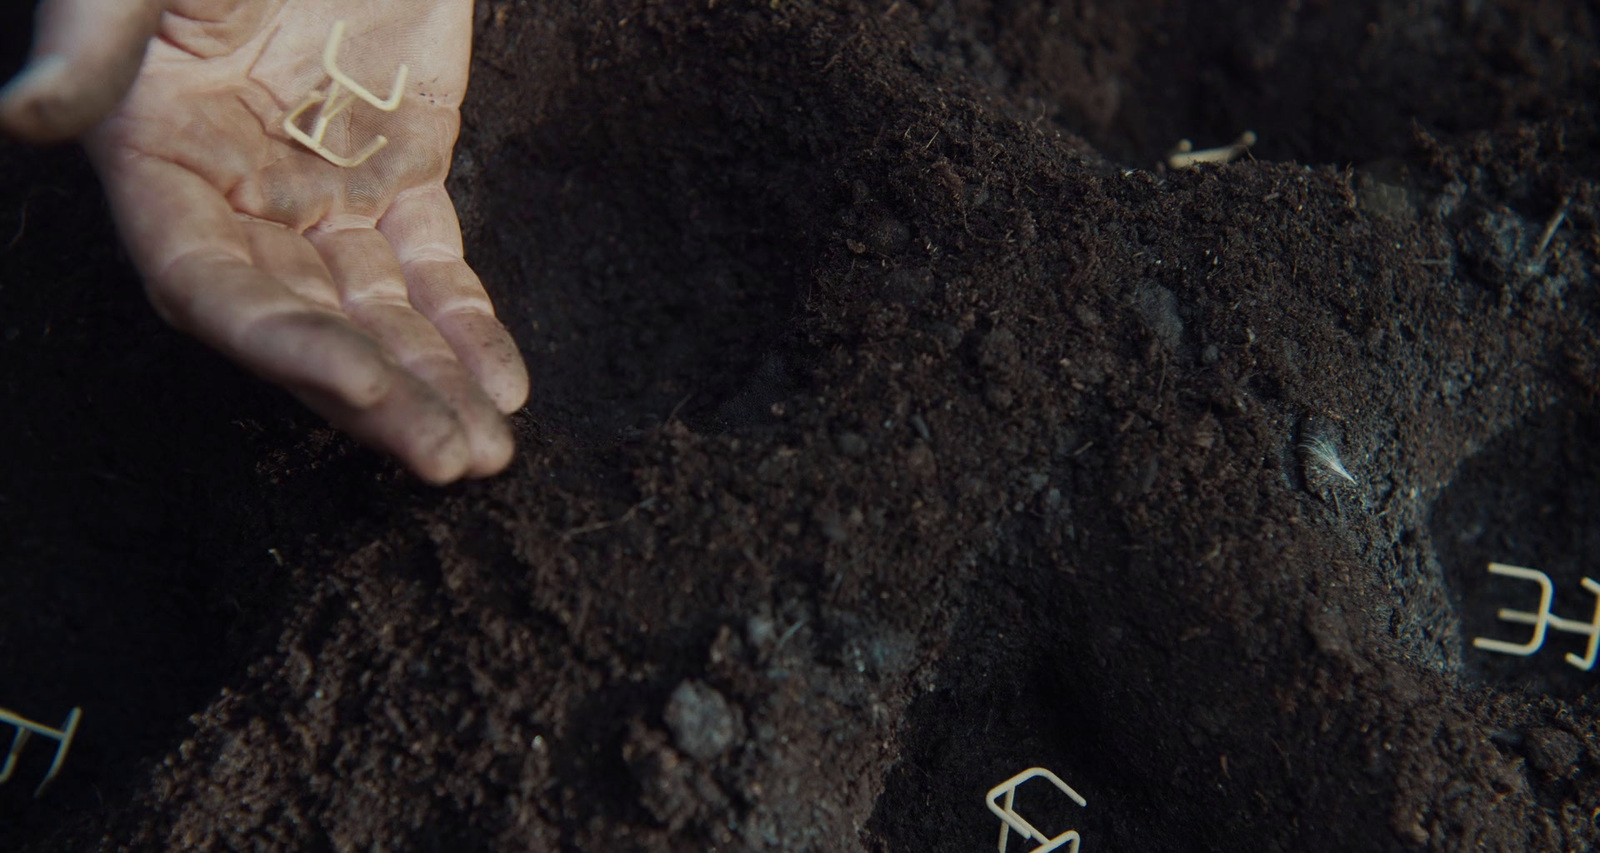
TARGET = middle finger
(372,292)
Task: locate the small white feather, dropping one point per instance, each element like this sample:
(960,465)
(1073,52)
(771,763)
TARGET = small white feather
(1326,455)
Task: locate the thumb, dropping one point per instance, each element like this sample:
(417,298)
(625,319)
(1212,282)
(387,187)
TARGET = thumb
(85,55)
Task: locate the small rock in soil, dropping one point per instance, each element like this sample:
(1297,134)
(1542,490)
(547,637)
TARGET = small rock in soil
(702,722)
(852,444)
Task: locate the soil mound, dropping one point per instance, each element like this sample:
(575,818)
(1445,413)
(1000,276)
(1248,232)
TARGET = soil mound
(899,423)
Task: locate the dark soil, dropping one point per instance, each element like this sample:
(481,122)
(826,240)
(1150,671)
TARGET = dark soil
(899,424)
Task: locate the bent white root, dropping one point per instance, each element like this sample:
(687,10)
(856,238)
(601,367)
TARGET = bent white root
(1184,156)
(26,729)
(341,93)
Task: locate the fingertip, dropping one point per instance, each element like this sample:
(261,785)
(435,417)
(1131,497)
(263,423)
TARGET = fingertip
(34,108)
(507,384)
(412,423)
(427,437)
(40,74)
(487,349)
(87,54)
(442,458)
(486,432)
(493,448)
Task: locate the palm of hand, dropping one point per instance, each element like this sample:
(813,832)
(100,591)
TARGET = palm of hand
(346,286)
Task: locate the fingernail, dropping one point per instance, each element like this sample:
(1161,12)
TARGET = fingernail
(41,75)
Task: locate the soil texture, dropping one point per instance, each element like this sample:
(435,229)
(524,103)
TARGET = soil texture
(900,422)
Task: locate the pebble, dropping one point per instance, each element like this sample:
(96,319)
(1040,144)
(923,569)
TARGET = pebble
(852,444)
(702,723)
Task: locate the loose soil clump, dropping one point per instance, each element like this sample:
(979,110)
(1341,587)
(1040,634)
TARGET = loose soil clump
(899,423)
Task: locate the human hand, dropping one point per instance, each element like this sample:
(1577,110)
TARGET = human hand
(347,286)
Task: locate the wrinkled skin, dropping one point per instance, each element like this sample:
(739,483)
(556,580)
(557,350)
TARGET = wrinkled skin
(345,286)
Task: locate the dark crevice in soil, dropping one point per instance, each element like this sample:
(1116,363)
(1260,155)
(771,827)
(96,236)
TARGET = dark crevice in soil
(1319,82)
(1527,498)
(663,237)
